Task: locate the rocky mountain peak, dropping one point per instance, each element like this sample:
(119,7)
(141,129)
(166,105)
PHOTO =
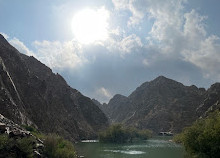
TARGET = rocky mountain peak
(3,41)
(161,80)
(2,38)
(215,87)
(160,86)
(117,97)
(96,102)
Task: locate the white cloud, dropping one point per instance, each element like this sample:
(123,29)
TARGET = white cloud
(191,42)
(56,55)
(20,46)
(103,94)
(185,36)
(140,8)
(120,4)
(175,33)
(115,31)
(146,62)
(125,45)
(59,55)
(206,57)
(130,43)
(136,10)
(194,27)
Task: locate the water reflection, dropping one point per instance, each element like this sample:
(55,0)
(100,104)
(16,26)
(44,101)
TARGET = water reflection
(159,147)
(130,152)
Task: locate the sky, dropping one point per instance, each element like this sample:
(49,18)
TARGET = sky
(116,45)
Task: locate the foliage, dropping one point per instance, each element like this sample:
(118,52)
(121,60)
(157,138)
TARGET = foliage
(57,147)
(29,128)
(144,134)
(20,147)
(33,131)
(118,134)
(54,145)
(114,134)
(202,139)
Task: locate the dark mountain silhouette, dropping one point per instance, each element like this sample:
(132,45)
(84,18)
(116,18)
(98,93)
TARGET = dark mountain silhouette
(30,93)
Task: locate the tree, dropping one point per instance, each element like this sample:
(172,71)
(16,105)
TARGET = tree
(118,134)
(202,139)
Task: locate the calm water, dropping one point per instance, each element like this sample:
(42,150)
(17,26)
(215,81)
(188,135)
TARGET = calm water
(158,147)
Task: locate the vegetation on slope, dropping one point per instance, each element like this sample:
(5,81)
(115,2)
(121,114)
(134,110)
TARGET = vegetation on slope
(118,134)
(20,147)
(57,147)
(54,146)
(202,139)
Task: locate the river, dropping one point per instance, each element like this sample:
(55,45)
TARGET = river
(157,147)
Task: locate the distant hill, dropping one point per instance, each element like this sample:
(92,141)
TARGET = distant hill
(162,105)
(30,93)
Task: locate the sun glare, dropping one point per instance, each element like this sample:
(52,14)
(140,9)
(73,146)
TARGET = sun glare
(90,25)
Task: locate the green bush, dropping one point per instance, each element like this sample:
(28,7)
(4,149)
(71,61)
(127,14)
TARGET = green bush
(114,134)
(3,141)
(33,131)
(118,134)
(144,134)
(57,147)
(29,128)
(20,147)
(202,139)
(54,147)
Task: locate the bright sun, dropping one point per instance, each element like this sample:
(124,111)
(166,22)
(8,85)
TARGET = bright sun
(90,25)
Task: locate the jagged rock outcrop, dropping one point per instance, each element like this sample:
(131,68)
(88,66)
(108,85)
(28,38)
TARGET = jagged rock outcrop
(96,102)
(14,131)
(30,93)
(162,105)
(211,101)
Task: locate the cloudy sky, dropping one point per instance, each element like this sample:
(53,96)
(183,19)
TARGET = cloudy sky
(105,47)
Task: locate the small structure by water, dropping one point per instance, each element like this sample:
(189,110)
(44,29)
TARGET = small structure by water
(90,141)
(166,134)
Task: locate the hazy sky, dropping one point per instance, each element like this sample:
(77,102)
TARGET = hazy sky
(136,41)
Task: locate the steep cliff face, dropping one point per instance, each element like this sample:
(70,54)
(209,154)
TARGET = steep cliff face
(160,105)
(31,93)
(211,101)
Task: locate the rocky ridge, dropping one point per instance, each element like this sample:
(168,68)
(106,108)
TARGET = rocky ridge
(162,105)
(30,93)
(14,131)
(211,101)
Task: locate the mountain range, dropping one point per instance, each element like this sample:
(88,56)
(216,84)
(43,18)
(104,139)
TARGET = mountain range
(31,94)
(162,105)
